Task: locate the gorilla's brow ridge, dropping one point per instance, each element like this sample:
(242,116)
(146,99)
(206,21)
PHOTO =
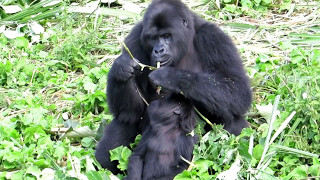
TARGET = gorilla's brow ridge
(160,19)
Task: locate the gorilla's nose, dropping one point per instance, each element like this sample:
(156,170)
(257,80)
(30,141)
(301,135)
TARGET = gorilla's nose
(159,51)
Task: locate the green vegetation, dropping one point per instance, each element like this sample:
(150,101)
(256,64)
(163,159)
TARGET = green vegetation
(54,59)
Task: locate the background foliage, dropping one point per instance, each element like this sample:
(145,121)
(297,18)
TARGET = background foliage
(55,55)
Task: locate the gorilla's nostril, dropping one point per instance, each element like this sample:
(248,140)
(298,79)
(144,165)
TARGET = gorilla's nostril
(161,51)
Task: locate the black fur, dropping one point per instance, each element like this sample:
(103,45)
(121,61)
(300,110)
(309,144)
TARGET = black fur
(167,138)
(199,60)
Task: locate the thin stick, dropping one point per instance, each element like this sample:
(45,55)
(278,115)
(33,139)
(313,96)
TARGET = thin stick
(144,100)
(191,166)
(127,49)
(190,163)
(140,64)
(202,116)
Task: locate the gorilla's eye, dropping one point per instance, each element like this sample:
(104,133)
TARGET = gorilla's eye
(166,35)
(185,22)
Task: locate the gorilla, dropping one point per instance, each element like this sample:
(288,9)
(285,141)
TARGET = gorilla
(165,141)
(197,59)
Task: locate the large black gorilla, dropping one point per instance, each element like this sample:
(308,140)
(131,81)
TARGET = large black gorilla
(165,141)
(197,60)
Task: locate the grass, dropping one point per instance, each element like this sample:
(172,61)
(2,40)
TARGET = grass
(52,92)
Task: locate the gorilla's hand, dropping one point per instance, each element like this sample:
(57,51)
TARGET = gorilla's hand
(124,68)
(168,78)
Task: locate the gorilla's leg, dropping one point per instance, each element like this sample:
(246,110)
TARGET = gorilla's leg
(115,134)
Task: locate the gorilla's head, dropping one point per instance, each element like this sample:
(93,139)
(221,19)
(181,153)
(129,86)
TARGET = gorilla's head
(172,113)
(168,32)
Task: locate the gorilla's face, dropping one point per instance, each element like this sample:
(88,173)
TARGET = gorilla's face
(161,47)
(166,37)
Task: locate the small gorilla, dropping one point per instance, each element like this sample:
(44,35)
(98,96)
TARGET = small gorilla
(165,141)
(197,59)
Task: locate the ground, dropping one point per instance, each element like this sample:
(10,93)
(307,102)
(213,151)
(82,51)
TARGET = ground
(53,76)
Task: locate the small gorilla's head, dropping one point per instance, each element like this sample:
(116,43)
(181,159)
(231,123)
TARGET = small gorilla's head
(164,110)
(168,32)
(172,113)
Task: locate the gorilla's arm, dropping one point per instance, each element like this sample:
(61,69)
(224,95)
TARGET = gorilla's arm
(222,88)
(135,165)
(213,91)
(124,100)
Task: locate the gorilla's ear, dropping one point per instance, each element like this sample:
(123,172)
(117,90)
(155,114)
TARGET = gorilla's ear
(185,22)
(177,110)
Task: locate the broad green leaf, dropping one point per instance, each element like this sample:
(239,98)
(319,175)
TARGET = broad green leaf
(36,116)
(203,165)
(34,170)
(87,142)
(89,85)
(84,131)
(185,175)
(21,42)
(257,151)
(121,154)
(33,133)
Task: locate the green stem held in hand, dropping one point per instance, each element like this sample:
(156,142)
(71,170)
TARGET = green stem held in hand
(140,64)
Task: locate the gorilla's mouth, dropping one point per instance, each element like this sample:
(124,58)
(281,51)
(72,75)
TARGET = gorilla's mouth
(165,62)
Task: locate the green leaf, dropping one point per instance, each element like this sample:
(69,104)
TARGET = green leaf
(84,131)
(21,42)
(121,154)
(231,8)
(28,13)
(257,1)
(54,62)
(266,2)
(7,2)
(244,150)
(185,175)
(315,168)
(87,142)
(264,129)
(89,85)
(14,156)
(203,165)
(17,175)
(36,116)
(34,170)
(257,151)
(33,133)
(59,152)
(299,173)
(97,175)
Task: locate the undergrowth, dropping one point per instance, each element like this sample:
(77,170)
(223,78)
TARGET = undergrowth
(53,68)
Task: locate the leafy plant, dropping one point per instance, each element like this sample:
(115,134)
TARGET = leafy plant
(227,9)
(58,75)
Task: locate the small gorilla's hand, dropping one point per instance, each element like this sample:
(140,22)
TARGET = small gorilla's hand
(165,77)
(125,68)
